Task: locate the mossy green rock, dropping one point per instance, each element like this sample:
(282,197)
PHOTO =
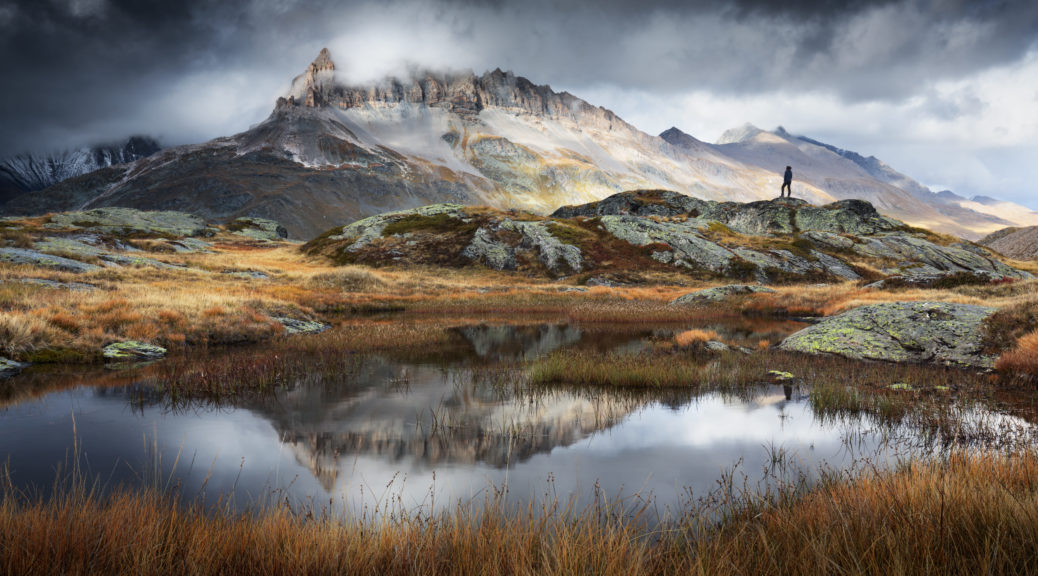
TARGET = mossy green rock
(934,332)
(133,350)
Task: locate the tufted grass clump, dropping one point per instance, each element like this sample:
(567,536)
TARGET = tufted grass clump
(1021,362)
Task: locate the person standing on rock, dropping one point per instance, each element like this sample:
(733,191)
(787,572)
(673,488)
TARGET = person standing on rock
(787,183)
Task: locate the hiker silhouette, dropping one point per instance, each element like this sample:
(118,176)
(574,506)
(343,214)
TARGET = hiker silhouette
(787,183)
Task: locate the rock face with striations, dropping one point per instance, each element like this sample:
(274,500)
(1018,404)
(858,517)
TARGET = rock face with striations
(936,332)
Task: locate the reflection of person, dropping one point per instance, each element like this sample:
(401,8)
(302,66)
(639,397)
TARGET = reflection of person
(787,183)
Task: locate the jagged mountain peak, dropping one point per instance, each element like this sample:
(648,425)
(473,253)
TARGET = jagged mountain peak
(323,60)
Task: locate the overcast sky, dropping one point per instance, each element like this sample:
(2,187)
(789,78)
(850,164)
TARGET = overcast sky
(945,91)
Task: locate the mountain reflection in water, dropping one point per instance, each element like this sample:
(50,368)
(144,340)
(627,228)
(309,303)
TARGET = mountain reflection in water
(414,430)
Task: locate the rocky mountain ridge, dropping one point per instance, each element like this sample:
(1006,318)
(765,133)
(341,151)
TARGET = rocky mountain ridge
(24,173)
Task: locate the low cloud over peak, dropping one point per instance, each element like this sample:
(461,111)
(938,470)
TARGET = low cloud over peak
(89,70)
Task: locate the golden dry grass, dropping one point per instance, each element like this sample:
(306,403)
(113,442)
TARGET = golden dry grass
(968,514)
(1022,361)
(207,304)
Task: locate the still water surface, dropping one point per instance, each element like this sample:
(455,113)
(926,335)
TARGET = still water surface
(416,435)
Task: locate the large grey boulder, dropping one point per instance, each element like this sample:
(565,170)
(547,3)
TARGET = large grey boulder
(938,332)
(493,253)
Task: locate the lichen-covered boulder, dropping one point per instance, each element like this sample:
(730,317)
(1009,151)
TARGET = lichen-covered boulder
(719,293)
(937,332)
(258,228)
(296,326)
(493,253)
(550,251)
(133,350)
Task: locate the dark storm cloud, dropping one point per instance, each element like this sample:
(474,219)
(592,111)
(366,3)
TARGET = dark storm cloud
(86,70)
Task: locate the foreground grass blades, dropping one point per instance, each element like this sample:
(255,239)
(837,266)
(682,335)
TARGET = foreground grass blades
(966,514)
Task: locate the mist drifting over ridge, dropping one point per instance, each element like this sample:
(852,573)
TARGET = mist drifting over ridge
(952,106)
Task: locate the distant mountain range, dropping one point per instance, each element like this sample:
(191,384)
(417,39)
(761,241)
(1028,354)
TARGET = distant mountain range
(31,172)
(330,154)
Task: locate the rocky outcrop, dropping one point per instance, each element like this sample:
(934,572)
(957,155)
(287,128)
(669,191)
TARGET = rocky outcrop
(92,248)
(258,228)
(493,239)
(719,293)
(934,332)
(764,218)
(363,232)
(128,222)
(761,242)
(36,258)
(679,244)
(557,257)
(485,249)
(661,203)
